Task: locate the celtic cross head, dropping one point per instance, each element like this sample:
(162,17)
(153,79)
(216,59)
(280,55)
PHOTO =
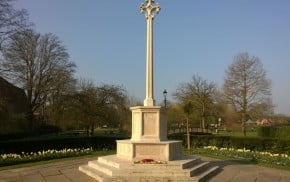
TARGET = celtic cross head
(150,9)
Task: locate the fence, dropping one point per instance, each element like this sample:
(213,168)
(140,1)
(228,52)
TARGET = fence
(176,130)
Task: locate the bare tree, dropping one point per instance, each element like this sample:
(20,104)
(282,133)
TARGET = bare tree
(99,105)
(246,85)
(37,63)
(201,93)
(11,20)
(53,110)
(263,109)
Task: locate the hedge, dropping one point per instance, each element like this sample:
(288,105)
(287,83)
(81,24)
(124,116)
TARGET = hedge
(282,131)
(35,145)
(102,142)
(251,143)
(42,130)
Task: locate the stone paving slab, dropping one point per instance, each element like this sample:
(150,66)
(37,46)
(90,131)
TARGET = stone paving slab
(67,171)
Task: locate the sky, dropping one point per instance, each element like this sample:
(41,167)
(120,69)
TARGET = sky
(107,40)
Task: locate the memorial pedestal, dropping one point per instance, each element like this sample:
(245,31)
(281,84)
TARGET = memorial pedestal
(148,141)
(158,151)
(149,137)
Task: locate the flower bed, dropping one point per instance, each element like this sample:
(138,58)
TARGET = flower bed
(11,159)
(247,155)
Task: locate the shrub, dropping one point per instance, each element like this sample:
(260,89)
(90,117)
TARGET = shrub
(281,131)
(34,145)
(251,143)
(17,133)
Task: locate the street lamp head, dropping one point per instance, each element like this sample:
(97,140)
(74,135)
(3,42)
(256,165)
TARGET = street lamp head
(164,92)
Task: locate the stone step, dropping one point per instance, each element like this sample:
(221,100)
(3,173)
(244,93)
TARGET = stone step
(107,169)
(191,163)
(195,170)
(208,174)
(202,177)
(147,168)
(99,176)
(116,169)
(153,179)
(113,161)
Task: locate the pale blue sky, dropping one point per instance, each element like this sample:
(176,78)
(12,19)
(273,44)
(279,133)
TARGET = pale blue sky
(106,39)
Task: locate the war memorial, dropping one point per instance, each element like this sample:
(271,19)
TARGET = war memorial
(149,155)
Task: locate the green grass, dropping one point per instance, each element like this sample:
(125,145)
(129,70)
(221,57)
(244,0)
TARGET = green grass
(30,164)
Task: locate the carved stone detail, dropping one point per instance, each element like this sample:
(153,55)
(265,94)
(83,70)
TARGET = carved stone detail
(150,124)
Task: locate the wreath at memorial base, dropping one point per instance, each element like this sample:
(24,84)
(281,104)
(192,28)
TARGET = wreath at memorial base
(149,161)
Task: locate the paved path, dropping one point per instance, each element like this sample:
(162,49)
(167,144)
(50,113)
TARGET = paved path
(67,171)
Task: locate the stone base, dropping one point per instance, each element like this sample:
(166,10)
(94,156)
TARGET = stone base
(112,168)
(148,141)
(137,150)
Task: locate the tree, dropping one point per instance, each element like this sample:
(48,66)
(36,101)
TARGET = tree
(11,20)
(4,113)
(246,85)
(175,115)
(36,63)
(57,99)
(264,109)
(188,110)
(201,93)
(99,105)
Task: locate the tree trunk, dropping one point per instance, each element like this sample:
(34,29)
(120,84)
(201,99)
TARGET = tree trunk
(187,133)
(29,114)
(203,117)
(92,130)
(30,118)
(244,124)
(203,123)
(88,131)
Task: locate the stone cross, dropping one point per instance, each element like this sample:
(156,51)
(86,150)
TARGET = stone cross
(149,10)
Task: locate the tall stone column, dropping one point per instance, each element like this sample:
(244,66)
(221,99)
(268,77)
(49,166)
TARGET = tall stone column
(150,10)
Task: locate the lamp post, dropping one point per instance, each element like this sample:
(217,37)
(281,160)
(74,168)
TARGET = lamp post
(218,125)
(165,94)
